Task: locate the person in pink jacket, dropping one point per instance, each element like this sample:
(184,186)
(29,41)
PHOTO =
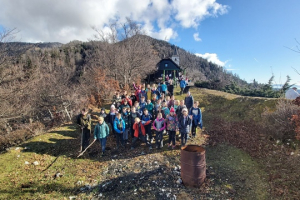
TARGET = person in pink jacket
(159,125)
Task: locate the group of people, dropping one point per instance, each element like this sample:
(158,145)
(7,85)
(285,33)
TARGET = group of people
(148,111)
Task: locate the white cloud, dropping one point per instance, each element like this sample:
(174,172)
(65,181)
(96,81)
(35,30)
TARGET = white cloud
(63,21)
(212,57)
(196,37)
(191,12)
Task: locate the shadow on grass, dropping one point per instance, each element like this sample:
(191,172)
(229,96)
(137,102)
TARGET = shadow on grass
(43,190)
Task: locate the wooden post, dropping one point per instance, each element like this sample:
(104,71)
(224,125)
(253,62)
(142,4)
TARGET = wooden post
(174,82)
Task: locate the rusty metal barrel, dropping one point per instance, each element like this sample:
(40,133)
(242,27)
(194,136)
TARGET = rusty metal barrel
(193,165)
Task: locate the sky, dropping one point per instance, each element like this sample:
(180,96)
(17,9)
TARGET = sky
(253,39)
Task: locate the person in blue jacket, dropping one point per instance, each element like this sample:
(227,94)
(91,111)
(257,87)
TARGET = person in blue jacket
(196,114)
(164,88)
(101,131)
(182,85)
(119,127)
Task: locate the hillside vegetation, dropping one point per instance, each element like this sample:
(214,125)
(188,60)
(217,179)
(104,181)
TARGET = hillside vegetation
(243,162)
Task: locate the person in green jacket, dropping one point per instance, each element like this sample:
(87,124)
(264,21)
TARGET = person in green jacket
(150,107)
(101,132)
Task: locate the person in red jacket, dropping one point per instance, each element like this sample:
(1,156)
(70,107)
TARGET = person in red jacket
(139,132)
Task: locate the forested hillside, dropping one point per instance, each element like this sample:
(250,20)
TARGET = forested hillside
(47,83)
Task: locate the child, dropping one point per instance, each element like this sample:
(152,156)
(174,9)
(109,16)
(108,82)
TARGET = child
(159,110)
(133,98)
(165,108)
(196,114)
(124,95)
(171,102)
(142,104)
(176,104)
(143,94)
(156,91)
(124,105)
(129,102)
(119,127)
(172,123)
(164,88)
(132,117)
(184,126)
(155,109)
(148,92)
(167,100)
(137,91)
(101,131)
(139,133)
(146,117)
(159,125)
(117,100)
(179,109)
(154,98)
(103,114)
(125,117)
(111,118)
(150,107)
(137,107)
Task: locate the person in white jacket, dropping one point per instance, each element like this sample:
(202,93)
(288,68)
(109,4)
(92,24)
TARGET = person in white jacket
(292,93)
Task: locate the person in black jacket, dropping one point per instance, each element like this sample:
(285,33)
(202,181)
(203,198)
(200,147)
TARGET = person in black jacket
(111,118)
(189,100)
(85,122)
(179,109)
(184,124)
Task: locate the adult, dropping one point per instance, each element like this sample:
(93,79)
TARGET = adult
(182,85)
(292,93)
(171,87)
(189,100)
(85,122)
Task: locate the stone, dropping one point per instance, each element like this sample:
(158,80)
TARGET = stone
(179,181)
(36,163)
(27,163)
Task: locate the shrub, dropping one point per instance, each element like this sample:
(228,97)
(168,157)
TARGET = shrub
(278,124)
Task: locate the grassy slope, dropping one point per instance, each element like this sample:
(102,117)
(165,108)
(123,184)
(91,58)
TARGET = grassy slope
(231,169)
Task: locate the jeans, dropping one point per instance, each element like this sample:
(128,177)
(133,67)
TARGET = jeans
(159,139)
(119,138)
(183,138)
(172,135)
(148,132)
(141,137)
(194,126)
(103,143)
(125,134)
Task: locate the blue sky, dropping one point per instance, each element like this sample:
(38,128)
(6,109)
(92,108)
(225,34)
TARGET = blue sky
(249,38)
(252,37)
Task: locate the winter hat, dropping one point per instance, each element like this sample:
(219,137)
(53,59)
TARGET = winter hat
(185,109)
(172,110)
